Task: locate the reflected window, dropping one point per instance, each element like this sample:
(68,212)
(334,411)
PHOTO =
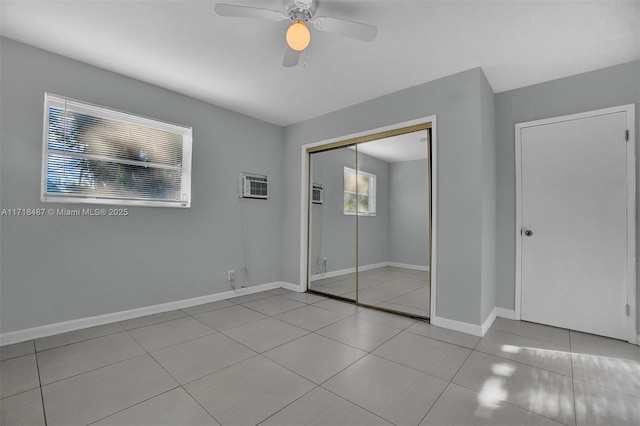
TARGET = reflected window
(359,192)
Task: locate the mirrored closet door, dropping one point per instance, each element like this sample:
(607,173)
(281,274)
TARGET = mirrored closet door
(332,234)
(369,222)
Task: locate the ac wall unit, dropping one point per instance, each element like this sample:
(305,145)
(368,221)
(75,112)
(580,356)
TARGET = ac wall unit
(317,194)
(254,186)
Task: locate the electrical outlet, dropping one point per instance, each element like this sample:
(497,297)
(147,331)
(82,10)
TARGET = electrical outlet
(231,274)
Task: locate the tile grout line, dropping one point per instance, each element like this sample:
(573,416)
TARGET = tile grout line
(481,393)
(267,315)
(415,369)
(179,385)
(351,346)
(524,363)
(311,305)
(529,337)
(316,386)
(462,365)
(511,404)
(441,340)
(395,362)
(175,344)
(78,341)
(44,411)
(287,405)
(188,341)
(256,353)
(123,329)
(155,323)
(573,383)
(501,400)
(435,402)
(222,332)
(357,405)
(598,385)
(220,370)
(94,369)
(131,406)
(610,389)
(198,402)
(448,384)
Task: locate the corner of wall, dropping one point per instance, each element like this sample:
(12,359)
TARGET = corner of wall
(489,190)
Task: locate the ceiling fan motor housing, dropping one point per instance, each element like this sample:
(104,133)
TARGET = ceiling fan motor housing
(300,10)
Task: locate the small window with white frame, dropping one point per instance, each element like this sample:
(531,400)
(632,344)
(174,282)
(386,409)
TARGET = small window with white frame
(359,193)
(93,154)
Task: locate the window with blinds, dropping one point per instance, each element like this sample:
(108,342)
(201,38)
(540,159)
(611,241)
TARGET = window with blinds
(97,155)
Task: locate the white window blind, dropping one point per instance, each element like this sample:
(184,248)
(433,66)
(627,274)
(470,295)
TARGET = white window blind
(359,192)
(97,155)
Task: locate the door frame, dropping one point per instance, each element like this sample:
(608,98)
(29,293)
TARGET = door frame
(305,183)
(631,333)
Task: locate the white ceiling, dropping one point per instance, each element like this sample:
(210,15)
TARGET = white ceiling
(395,149)
(236,63)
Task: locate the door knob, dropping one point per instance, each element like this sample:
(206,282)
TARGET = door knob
(528,232)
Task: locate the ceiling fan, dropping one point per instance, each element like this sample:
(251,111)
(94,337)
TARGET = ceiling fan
(300,13)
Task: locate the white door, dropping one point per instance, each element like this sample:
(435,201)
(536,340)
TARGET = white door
(574,186)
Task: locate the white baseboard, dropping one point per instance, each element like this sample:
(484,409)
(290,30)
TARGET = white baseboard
(463,327)
(347,271)
(332,274)
(408,266)
(366,268)
(373,266)
(486,324)
(506,313)
(292,287)
(77,324)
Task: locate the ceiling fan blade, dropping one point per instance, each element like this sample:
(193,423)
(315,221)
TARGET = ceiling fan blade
(233,10)
(291,57)
(357,30)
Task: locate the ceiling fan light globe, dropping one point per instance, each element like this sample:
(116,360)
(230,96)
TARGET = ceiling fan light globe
(298,36)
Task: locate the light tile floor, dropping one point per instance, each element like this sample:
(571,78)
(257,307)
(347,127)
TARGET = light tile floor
(390,287)
(285,358)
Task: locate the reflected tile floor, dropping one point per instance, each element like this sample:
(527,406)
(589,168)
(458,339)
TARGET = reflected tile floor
(285,358)
(390,287)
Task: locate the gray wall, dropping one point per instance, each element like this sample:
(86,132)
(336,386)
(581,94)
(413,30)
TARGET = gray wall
(456,100)
(337,241)
(409,215)
(62,268)
(608,87)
